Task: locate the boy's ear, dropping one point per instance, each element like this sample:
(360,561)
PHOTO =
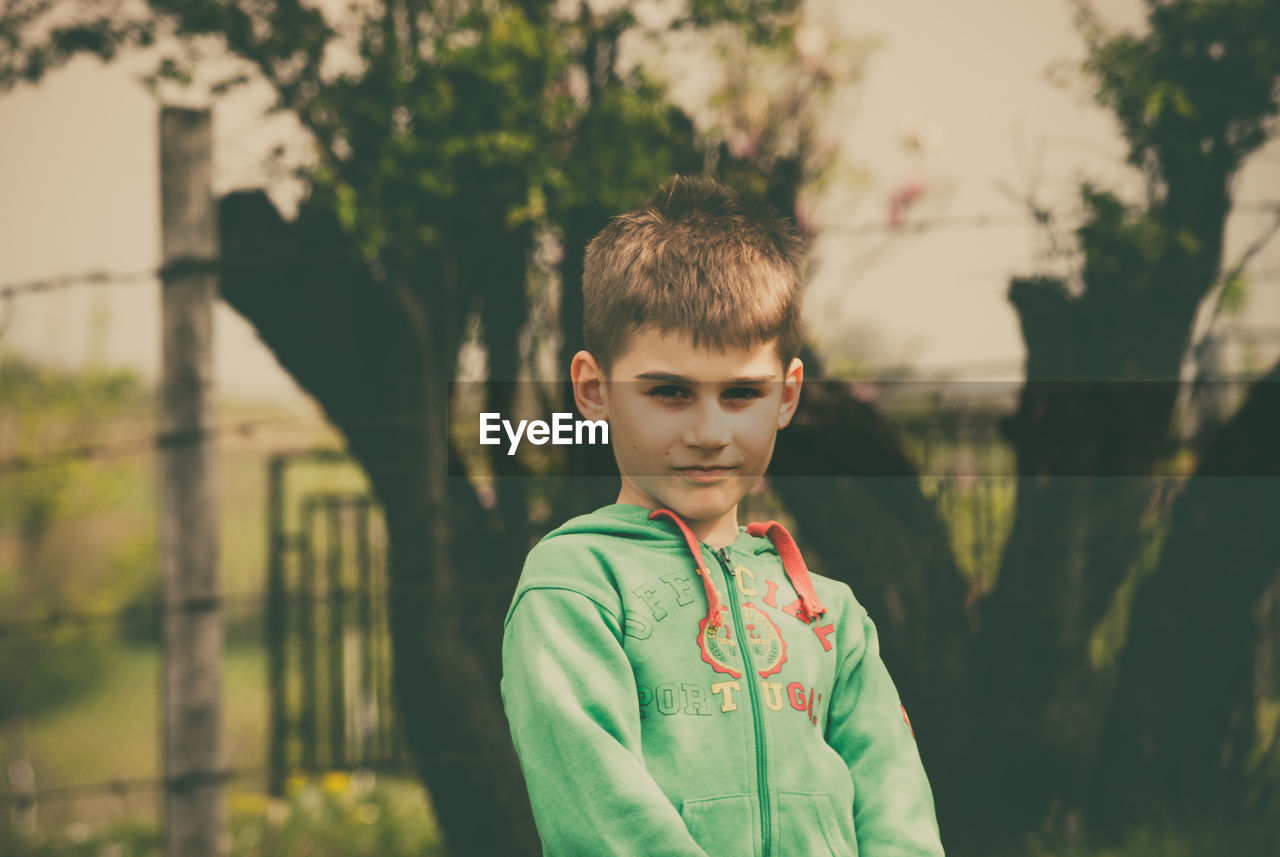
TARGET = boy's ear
(791,383)
(588,386)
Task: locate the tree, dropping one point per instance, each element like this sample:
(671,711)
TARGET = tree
(1193,98)
(471,130)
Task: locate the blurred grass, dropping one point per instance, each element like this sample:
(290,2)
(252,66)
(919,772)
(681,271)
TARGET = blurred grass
(112,732)
(1258,837)
(332,816)
(338,815)
(108,733)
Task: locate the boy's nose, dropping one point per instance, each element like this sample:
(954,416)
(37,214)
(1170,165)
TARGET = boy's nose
(709,428)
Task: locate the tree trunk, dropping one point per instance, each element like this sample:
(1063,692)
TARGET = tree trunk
(381,377)
(1093,419)
(1182,723)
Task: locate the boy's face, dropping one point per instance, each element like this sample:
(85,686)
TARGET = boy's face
(692,428)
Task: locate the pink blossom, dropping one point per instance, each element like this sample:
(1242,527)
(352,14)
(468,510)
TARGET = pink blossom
(864,391)
(902,199)
(742,144)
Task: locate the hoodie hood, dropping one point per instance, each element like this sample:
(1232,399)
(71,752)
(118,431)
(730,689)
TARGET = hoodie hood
(664,527)
(626,520)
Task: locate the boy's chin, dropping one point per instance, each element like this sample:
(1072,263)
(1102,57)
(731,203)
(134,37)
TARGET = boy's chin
(703,504)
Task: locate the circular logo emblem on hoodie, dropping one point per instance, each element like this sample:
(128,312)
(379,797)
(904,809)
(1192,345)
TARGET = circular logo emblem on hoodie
(721,649)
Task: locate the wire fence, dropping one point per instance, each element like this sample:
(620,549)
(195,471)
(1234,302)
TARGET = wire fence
(80,703)
(81,708)
(869,227)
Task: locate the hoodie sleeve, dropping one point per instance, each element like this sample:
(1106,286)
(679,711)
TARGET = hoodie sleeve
(893,812)
(571,700)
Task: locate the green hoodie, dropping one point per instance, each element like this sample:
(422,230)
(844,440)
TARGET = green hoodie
(662,712)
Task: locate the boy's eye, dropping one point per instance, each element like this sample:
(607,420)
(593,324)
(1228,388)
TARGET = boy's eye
(669,392)
(743,394)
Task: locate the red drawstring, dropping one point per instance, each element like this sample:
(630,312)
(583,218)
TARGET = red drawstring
(793,564)
(715,608)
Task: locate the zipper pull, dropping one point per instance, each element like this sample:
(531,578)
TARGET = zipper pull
(722,554)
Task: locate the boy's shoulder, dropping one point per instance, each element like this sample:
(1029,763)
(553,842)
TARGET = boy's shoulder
(588,554)
(833,592)
(612,536)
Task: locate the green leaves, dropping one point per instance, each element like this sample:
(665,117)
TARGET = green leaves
(26,60)
(1120,246)
(1234,294)
(445,115)
(1164,93)
(1205,75)
(764,22)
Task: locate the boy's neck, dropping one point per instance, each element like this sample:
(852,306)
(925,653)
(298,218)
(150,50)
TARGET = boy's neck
(719,534)
(715,533)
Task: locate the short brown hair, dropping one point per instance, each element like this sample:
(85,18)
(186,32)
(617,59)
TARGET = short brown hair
(698,258)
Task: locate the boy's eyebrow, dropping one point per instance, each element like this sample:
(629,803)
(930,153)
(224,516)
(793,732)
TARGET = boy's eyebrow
(672,378)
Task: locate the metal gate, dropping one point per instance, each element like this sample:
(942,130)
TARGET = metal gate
(328,646)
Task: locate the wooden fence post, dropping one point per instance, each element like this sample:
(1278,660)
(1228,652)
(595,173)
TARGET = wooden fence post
(195,791)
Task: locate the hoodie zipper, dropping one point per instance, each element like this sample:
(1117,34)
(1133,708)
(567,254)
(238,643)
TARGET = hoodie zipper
(753,692)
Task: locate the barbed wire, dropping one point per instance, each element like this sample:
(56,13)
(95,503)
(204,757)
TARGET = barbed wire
(867,227)
(152,610)
(991,220)
(176,268)
(184,266)
(123,785)
(165,440)
(88,278)
(134,446)
(138,613)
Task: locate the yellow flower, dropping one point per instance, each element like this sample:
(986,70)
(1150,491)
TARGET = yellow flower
(249,804)
(336,782)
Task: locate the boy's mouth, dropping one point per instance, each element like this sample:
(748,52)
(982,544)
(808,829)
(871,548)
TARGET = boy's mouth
(701,473)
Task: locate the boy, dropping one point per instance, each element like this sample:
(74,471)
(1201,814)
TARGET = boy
(679,686)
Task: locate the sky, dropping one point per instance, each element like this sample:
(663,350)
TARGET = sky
(79,192)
